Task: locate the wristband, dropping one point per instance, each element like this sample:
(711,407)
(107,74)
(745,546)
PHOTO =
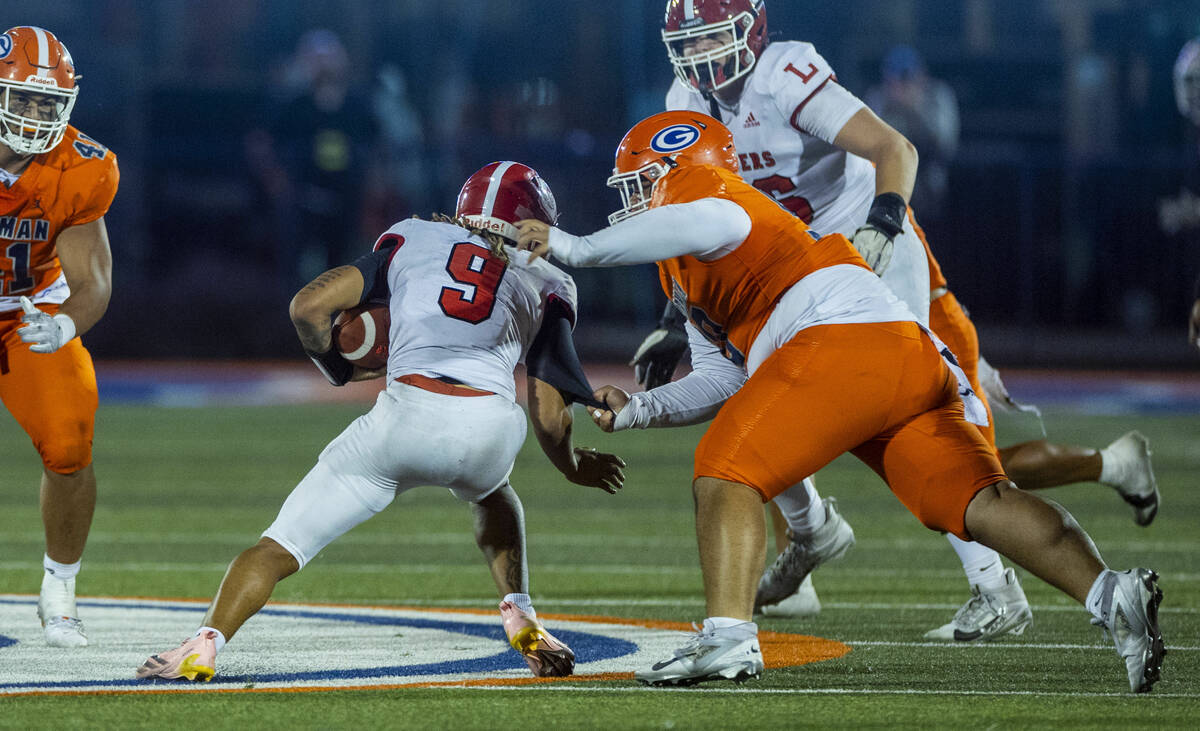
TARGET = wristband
(332,365)
(887,213)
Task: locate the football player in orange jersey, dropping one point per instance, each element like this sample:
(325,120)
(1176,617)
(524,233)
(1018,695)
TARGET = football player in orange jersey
(56,271)
(806,141)
(801,353)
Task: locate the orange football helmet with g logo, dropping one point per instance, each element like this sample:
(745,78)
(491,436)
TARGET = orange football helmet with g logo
(656,145)
(37,89)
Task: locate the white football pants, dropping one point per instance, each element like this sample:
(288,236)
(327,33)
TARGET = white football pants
(410,438)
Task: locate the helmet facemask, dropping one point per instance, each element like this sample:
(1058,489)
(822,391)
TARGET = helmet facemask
(714,68)
(33,116)
(636,188)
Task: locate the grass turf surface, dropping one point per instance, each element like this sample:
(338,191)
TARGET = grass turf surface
(183,490)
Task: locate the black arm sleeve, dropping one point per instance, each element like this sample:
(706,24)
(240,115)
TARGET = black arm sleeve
(672,318)
(552,357)
(374,268)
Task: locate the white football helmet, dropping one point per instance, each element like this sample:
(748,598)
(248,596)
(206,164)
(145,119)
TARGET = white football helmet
(37,89)
(1187,81)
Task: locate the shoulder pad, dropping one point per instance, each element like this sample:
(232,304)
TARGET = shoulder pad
(790,65)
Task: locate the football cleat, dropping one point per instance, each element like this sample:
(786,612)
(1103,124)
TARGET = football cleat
(804,603)
(546,655)
(729,653)
(195,659)
(988,614)
(1129,614)
(829,542)
(56,609)
(1129,458)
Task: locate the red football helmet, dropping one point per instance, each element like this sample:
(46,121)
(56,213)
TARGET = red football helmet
(660,143)
(37,89)
(501,193)
(744,23)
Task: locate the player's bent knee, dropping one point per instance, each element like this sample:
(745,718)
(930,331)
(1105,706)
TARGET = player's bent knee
(66,458)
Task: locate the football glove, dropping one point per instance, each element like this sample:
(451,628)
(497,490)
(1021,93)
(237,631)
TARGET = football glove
(46,333)
(885,221)
(875,246)
(658,356)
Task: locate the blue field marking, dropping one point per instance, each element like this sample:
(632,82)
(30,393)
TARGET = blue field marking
(588,647)
(6,641)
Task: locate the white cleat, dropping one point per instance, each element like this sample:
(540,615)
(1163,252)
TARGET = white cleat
(1129,459)
(729,653)
(988,615)
(56,609)
(829,542)
(1129,610)
(804,603)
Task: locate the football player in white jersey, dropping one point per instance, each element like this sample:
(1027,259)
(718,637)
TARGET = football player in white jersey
(466,307)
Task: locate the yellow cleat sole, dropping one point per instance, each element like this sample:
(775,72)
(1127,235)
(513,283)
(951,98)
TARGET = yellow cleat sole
(198,673)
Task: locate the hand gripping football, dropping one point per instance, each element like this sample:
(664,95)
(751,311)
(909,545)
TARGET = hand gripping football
(361,335)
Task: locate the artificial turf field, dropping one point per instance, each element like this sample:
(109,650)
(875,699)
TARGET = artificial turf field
(183,490)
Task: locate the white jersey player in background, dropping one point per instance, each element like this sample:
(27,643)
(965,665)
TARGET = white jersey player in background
(823,155)
(466,308)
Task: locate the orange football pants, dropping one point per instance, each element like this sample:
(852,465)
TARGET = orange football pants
(880,391)
(949,320)
(51,395)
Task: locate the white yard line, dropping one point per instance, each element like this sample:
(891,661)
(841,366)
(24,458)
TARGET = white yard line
(826,691)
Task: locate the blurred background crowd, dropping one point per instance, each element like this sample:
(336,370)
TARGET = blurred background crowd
(262,141)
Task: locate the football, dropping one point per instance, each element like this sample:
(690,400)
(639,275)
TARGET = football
(361,334)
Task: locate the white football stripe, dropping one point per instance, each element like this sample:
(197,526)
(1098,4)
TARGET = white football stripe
(368,338)
(489,199)
(43,51)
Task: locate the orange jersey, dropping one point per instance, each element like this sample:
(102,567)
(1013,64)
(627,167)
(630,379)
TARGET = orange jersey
(70,185)
(729,299)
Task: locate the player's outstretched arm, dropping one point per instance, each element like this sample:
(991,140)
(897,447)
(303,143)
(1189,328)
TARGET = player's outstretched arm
(86,262)
(312,311)
(552,421)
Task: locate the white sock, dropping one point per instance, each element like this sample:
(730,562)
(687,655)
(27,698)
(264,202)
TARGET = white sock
(731,628)
(1095,597)
(802,508)
(523,602)
(58,570)
(981,564)
(220,642)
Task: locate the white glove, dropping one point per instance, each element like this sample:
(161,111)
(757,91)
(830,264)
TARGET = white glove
(47,333)
(875,246)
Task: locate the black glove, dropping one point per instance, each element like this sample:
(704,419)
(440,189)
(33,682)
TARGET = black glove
(659,354)
(332,365)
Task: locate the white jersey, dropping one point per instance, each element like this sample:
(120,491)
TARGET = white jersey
(458,311)
(784,152)
(784,125)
